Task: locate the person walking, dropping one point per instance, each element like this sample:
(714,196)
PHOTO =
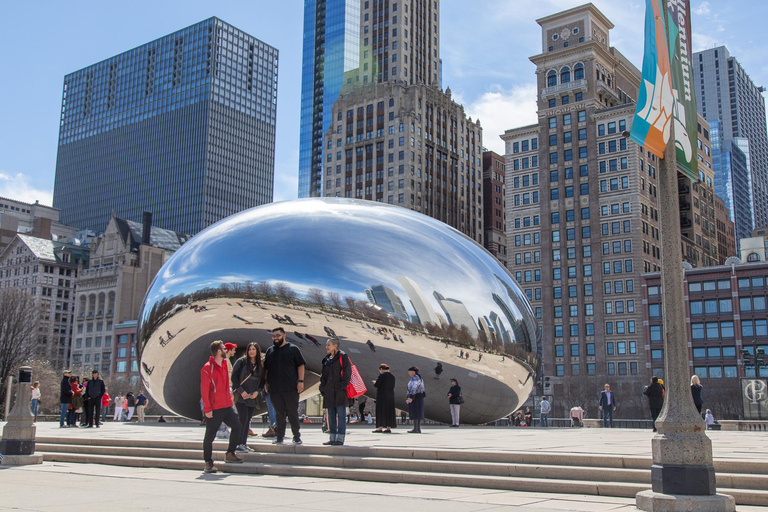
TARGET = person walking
(94,391)
(415,399)
(454,400)
(438,369)
(655,394)
(246,381)
(385,400)
(34,403)
(546,408)
(334,378)
(118,414)
(130,400)
(217,405)
(105,401)
(696,392)
(284,376)
(65,398)
(607,404)
(141,405)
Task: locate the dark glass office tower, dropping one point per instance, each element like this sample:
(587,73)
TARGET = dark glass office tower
(183,126)
(331,48)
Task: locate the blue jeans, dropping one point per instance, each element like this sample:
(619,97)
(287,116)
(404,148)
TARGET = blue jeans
(33,406)
(270,410)
(104,411)
(337,422)
(63,417)
(544,418)
(607,416)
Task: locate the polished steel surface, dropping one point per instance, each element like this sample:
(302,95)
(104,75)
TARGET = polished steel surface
(393,285)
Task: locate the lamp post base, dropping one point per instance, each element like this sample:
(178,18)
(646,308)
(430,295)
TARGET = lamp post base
(651,501)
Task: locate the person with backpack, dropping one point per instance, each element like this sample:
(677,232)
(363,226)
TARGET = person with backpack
(334,379)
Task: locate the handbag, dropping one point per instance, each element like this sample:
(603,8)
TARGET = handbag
(460,399)
(356,386)
(249,402)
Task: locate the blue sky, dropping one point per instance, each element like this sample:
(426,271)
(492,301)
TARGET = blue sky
(485,50)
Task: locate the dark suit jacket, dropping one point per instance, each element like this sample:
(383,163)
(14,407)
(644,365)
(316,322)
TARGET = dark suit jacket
(604,399)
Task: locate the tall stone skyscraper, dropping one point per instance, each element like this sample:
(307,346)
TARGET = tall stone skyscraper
(183,126)
(331,49)
(582,213)
(396,137)
(725,93)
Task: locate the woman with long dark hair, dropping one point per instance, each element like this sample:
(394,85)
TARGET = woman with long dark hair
(246,376)
(385,401)
(334,378)
(415,399)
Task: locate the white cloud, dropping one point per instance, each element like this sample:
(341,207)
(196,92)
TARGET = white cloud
(501,109)
(287,177)
(18,187)
(702,41)
(703,9)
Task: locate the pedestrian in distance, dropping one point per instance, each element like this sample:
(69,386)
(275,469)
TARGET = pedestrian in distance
(415,399)
(284,367)
(118,402)
(546,408)
(454,401)
(65,398)
(130,401)
(385,400)
(710,420)
(94,390)
(105,401)
(362,401)
(655,394)
(76,407)
(607,404)
(141,405)
(34,402)
(217,405)
(246,381)
(438,369)
(85,409)
(696,392)
(334,378)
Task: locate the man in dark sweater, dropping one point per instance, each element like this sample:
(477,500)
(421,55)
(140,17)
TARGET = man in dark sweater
(65,397)
(94,390)
(284,376)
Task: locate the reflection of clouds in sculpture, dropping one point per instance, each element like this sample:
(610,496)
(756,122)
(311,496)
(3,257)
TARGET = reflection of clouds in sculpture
(313,261)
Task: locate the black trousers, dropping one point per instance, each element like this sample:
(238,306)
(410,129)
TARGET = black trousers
(655,415)
(286,404)
(88,418)
(245,413)
(94,412)
(227,416)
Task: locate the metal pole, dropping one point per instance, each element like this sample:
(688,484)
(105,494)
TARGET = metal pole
(8,395)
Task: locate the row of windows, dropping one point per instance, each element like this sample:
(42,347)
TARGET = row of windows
(621,327)
(527,239)
(526,221)
(525,180)
(570,234)
(524,145)
(568,191)
(554,175)
(568,155)
(581,117)
(565,100)
(573,330)
(570,252)
(621,367)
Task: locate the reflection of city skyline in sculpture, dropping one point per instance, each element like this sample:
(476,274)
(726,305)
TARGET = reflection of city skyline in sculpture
(244,276)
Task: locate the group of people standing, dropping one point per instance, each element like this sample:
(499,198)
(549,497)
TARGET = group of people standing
(86,404)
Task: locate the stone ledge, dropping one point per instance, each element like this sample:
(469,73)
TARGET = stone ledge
(656,502)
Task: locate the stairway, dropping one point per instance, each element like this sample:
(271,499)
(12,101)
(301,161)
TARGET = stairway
(599,475)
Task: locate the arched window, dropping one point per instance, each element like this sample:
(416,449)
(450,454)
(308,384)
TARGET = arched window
(552,78)
(752,257)
(578,72)
(565,75)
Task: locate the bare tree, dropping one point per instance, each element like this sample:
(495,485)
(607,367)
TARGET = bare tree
(317,296)
(249,289)
(285,293)
(265,290)
(50,380)
(351,305)
(19,316)
(335,300)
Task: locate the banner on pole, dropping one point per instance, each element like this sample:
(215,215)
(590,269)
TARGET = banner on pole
(650,127)
(684,111)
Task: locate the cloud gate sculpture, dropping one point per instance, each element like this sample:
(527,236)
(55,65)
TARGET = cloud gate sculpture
(394,286)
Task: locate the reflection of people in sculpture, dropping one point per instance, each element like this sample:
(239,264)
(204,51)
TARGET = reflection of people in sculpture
(334,379)
(438,369)
(461,354)
(385,400)
(479,357)
(415,399)
(370,345)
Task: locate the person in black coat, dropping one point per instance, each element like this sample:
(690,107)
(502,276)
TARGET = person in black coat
(385,400)
(655,394)
(696,392)
(65,397)
(454,400)
(334,379)
(94,390)
(246,381)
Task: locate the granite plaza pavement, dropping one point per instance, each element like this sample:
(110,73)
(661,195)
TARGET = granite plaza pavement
(102,487)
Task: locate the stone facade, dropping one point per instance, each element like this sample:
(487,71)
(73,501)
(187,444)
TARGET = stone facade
(494,194)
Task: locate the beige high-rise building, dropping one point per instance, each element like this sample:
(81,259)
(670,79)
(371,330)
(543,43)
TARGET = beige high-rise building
(396,137)
(582,213)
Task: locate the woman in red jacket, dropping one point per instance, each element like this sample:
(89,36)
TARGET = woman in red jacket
(217,405)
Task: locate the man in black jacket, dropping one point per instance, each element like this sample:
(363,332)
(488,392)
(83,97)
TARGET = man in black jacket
(65,397)
(94,391)
(655,394)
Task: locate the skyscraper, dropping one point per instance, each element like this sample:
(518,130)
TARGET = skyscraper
(331,49)
(386,298)
(726,93)
(582,209)
(396,137)
(183,126)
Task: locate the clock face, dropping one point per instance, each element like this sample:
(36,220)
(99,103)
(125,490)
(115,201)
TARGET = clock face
(566,33)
